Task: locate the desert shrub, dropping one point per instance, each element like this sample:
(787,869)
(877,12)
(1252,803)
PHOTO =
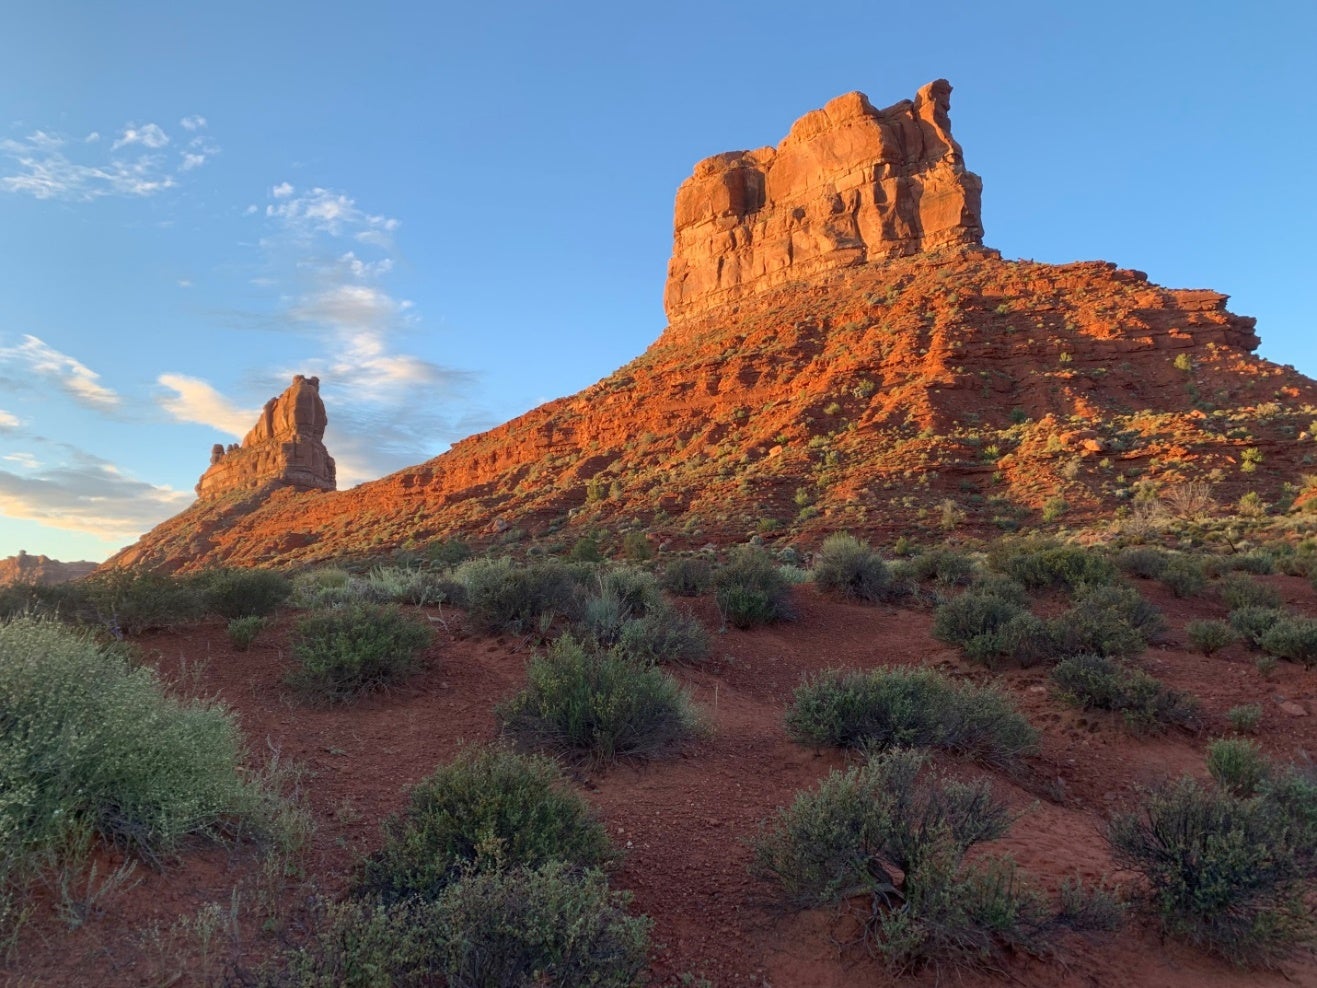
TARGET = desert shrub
(972,614)
(236,593)
(908,707)
(1038,566)
(487,810)
(1222,872)
(128,602)
(1237,765)
(355,649)
(447,552)
(946,566)
(1292,638)
(664,636)
(1254,622)
(636,547)
(1239,590)
(406,585)
(626,595)
(898,837)
(1210,636)
(999,585)
(544,927)
(89,741)
(1184,577)
(1258,561)
(597,705)
(586,550)
(850,568)
(324,586)
(1245,717)
(687,577)
(751,591)
(1095,681)
(1024,640)
(1107,620)
(1095,908)
(505,596)
(243,631)
(636,589)
(1144,562)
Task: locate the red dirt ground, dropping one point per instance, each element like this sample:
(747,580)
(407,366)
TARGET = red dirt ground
(683,822)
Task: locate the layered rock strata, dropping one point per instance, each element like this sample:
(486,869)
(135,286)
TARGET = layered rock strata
(285,447)
(848,184)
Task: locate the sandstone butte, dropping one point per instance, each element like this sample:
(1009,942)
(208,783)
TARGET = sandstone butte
(27,568)
(842,353)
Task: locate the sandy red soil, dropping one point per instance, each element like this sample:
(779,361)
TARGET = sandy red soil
(684,821)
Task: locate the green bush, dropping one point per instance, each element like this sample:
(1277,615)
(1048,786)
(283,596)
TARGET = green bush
(505,596)
(898,837)
(945,566)
(1292,638)
(850,568)
(972,614)
(447,552)
(751,591)
(237,593)
(487,810)
(1108,620)
(1095,681)
(687,577)
(1038,566)
(908,707)
(243,631)
(1245,718)
(544,927)
(1237,765)
(1184,577)
(599,705)
(128,602)
(1210,637)
(1239,590)
(1254,622)
(91,742)
(405,585)
(355,649)
(1143,561)
(665,636)
(1023,640)
(1222,872)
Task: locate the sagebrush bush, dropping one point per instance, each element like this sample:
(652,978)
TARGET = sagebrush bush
(1238,766)
(1292,638)
(1184,577)
(503,595)
(243,631)
(406,585)
(898,836)
(688,577)
(1024,640)
(128,602)
(908,707)
(237,593)
(750,589)
(1254,622)
(850,568)
(664,636)
(945,566)
(973,613)
(597,705)
(487,810)
(1239,590)
(1210,637)
(1245,717)
(90,741)
(347,651)
(1038,566)
(1095,681)
(546,927)
(1144,562)
(1222,872)
(1107,620)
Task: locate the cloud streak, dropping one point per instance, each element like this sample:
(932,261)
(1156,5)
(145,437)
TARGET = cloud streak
(47,165)
(35,357)
(195,400)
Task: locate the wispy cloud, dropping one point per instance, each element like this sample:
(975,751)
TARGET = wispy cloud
(26,460)
(8,420)
(47,165)
(195,400)
(35,357)
(194,122)
(320,210)
(88,494)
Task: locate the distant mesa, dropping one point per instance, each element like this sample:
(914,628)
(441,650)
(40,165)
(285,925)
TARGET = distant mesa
(849,184)
(27,568)
(284,448)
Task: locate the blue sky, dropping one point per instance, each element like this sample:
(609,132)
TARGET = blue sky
(454,212)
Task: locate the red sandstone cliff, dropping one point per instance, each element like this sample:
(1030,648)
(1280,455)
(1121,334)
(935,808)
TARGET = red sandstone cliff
(26,568)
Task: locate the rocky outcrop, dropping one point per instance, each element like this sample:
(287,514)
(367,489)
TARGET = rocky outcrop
(848,184)
(285,447)
(26,568)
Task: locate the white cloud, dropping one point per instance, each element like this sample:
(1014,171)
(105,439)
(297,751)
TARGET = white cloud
(25,460)
(325,211)
(8,421)
(88,494)
(282,191)
(34,356)
(349,307)
(190,161)
(148,135)
(193,122)
(194,400)
(92,138)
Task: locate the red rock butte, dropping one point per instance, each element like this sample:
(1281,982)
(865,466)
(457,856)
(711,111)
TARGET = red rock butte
(284,448)
(848,184)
